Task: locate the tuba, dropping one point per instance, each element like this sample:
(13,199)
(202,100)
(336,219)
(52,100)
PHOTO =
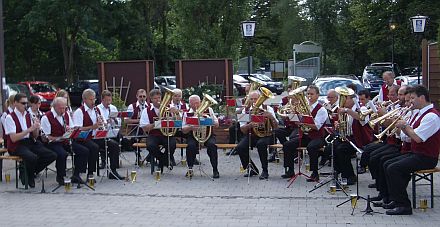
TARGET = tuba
(266,128)
(164,112)
(344,93)
(203,133)
(255,85)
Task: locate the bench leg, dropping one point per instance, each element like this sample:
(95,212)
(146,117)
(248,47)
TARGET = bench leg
(432,189)
(413,180)
(16,175)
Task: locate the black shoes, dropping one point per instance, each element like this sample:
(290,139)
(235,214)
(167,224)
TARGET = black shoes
(361,170)
(77,180)
(215,174)
(351,180)
(114,175)
(288,174)
(196,162)
(390,205)
(102,165)
(314,177)
(376,198)
(60,180)
(253,173)
(400,211)
(264,175)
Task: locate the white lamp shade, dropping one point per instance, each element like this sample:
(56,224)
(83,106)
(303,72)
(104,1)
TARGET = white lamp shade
(248,29)
(418,24)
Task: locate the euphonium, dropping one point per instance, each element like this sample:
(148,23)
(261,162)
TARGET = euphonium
(284,111)
(164,112)
(202,133)
(296,81)
(302,107)
(255,85)
(344,93)
(265,129)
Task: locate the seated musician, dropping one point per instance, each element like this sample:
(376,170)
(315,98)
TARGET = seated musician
(106,108)
(137,108)
(424,153)
(34,107)
(88,117)
(378,162)
(9,109)
(193,144)
(251,139)
(63,93)
(54,124)
(178,107)
(155,136)
(313,139)
(355,130)
(332,109)
(235,133)
(21,133)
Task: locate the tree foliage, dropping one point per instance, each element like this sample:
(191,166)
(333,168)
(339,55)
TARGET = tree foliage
(61,41)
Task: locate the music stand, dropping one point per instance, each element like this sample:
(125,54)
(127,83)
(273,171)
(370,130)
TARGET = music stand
(105,135)
(70,135)
(331,178)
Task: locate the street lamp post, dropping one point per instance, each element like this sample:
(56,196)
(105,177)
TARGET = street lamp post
(393,27)
(418,25)
(248,32)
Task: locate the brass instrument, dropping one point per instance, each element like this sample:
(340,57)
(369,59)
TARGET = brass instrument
(266,128)
(391,129)
(364,114)
(344,93)
(203,133)
(302,107)
(255,85)
(164,112)
(296,81)
(284,111)
(382,118)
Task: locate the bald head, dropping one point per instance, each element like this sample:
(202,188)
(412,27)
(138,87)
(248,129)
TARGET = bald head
(332,96)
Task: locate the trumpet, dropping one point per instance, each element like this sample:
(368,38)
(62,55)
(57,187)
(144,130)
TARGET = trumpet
(390,114)
(391,129)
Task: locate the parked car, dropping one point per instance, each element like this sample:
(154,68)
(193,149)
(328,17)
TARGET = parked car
(165,81)
(273,86)
(12,89)
(76,89)
(347,76)
(240,84)
(410,71)
(409,80)
(45,90)
(394,66)
(372,78)
(325,84)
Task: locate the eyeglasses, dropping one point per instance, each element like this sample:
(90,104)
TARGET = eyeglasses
(142,96)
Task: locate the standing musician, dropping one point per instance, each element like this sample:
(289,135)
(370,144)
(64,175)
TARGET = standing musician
(425,148)
(388,78)
(193,144)
(314,139)
(21,133)
(357,131)
(260,142)
(155,136)
(105,108)
(88,117)
(54,124)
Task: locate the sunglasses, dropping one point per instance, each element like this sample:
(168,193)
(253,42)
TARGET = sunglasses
(142,96)
(24,103)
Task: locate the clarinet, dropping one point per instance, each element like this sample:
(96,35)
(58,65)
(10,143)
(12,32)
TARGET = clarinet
(99,117)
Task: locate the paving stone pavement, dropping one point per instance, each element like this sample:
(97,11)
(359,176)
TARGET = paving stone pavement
(175,200)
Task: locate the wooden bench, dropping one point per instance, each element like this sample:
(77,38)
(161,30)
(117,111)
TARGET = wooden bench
(428,175)
(225,146)
(144,145)
(17,160)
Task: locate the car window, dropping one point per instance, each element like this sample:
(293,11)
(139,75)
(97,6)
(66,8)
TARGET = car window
(325,86)
(171,81)
(161,81)
(94,86)
(262,77)
(375,72)
(239,79)
(42,88)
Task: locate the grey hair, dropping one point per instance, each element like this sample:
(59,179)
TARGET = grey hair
(59,100)
(194,97)
(87,93)
(177,90)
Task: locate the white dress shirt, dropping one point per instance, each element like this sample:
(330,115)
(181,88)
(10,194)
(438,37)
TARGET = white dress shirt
(105,112)
(130,107)
(3,118)
(429,125)
(145,120)
(45,124)
(211,114)
(269,109)
(10,127)
(321,115)
(78,117)
(403,136)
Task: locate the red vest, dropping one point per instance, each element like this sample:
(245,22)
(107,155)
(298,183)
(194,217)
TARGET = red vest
(87,121)
(313,134)
(137,110)
(431,147)
(362,135)
(385,90)
(56,129)
(151,116)
(11,145)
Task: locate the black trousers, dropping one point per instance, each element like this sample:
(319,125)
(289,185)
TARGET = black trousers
(398,174)
(93,154)
(261,143)
(313,146)
(282,134)
(343,152)
(35,155)
(153,143)
(235,134)
(193,148)
(112,151)
(375,156)
(381,183)
(365,157)
(80,161)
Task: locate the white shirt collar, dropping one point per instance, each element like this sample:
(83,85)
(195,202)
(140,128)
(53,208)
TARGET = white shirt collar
(10,109)
(18,113)
(55,114)
(314,105)
(426,108)
(86,108)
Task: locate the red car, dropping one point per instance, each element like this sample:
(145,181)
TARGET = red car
(45,90)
